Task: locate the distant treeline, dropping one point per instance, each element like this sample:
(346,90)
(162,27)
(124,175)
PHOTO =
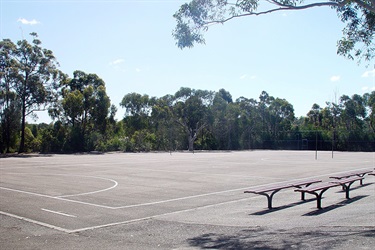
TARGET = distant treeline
(202,120)
(190,119)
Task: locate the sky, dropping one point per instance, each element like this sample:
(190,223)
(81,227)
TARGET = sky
(129,44)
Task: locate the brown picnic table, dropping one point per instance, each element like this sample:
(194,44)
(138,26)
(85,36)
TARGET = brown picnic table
(359,173)
(270,190)
(320,188)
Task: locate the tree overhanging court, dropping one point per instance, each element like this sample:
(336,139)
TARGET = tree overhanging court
(193,19)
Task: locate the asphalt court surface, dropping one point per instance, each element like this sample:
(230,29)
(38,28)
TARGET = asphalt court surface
(93,192)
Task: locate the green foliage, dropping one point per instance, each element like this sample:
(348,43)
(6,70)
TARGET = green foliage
(31,73)
(194,18)
(357,41)
(86,107)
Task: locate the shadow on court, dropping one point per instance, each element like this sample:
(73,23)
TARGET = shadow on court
(275,209)
(282,239)
(335,206)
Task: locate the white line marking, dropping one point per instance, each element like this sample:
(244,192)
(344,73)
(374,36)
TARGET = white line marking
(57,198)
(181,198)
(93,192)
(59,213)
(86,176)
(36,222)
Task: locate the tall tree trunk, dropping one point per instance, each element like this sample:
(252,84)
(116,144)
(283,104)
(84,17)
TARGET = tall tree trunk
(23,126)
(23,110)
(191,141)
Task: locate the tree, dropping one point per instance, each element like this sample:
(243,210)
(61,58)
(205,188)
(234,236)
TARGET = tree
(137,111)
(85,105)
(370,100)
(194,18)
(190,110)
(10,115)
(250,121)
(35,77)
(315,115)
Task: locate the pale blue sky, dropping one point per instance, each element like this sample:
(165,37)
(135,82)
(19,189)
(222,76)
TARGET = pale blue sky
(129,44)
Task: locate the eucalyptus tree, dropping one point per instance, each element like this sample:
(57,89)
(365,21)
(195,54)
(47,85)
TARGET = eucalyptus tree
(10,115)
(250,122)
(354,112)
(225,115)
(166,129)
(265,101)
(194,18)
(137,110)
(85,105)
(35,77)
(315,115)
(370,103)
(137,120)
(190,110)
(282,115)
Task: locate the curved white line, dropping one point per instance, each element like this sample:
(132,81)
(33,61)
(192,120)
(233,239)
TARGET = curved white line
(92,192)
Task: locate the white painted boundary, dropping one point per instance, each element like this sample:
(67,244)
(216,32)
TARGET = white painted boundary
(59,213)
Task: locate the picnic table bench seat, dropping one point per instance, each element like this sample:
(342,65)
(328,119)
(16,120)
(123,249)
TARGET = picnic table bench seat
(320,188)
(347,182)
(270,190)
(372,173)
(359,173)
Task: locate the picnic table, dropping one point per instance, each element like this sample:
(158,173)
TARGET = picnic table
(359,173)
(270,190)
(320,188)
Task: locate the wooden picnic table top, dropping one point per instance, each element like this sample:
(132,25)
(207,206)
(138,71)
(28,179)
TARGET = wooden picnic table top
(279,186)
(347,180)
(269,188)
(350,173)
(304,182)
(317,187)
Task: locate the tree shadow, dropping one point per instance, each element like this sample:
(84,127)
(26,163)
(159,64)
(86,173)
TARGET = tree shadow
(282,239)
(23,155)
(334,206)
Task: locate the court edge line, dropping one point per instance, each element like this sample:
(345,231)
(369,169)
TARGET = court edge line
(36,222)
(161,215)
(59,213)
(69,231)
(56,198)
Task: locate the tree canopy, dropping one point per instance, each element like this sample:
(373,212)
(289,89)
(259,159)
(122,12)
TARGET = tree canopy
(194,18)
(31,75)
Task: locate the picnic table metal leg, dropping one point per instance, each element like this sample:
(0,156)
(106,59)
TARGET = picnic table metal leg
(361,180)
(303,193)
(319,197)
(347,188)
(269,197)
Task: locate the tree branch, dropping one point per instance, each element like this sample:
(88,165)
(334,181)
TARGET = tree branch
(281,8)
(370,7)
